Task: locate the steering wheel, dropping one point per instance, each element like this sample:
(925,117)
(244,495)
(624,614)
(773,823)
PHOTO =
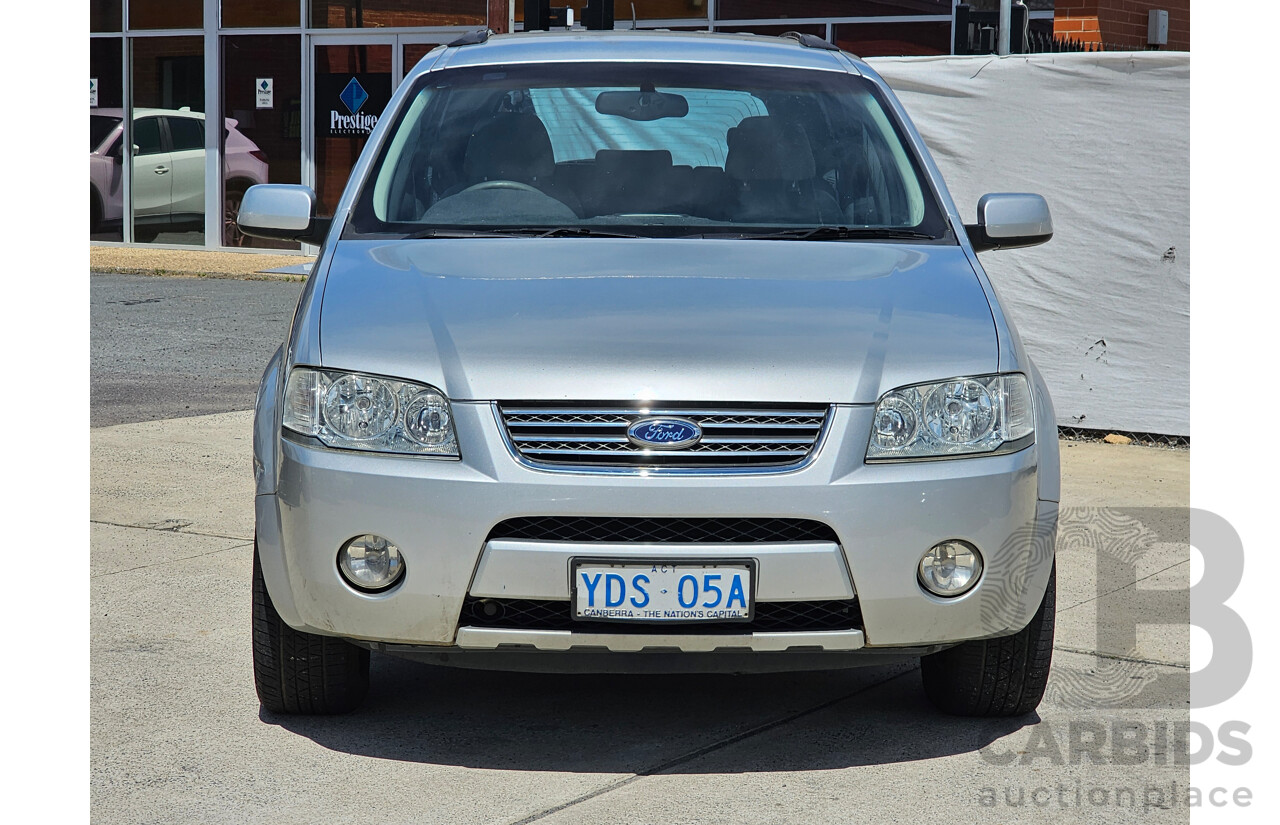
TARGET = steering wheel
(502,184)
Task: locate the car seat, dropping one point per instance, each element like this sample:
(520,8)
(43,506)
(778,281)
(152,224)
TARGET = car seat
(770,164)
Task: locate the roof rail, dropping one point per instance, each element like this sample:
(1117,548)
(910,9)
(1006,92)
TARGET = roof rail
(472,38)
(811,41)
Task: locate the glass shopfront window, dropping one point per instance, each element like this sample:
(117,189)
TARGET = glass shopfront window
(819,29)
(766,9)
(104,15)
(168,181)
(259,13)
(352,86)
(645,9)
(262,108)
(361,14)
(152,51)
(166,14)
(106,139)
(894,39)
(659,9)
(994,5)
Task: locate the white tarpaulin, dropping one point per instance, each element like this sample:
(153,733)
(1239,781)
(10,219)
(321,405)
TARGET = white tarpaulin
(1104,307)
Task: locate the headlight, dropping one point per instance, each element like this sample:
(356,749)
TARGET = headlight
(962,416)
(366,412)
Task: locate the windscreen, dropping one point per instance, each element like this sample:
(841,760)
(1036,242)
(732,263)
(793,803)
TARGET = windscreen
(649,149)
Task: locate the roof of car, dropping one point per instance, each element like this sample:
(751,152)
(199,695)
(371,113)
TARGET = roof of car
(652,46)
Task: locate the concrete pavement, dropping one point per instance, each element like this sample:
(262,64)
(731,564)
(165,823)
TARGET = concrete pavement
(177,734)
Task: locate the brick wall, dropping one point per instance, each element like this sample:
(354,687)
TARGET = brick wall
(1121,22)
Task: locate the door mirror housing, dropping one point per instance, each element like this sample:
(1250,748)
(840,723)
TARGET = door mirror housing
(1008,220)
(282,212)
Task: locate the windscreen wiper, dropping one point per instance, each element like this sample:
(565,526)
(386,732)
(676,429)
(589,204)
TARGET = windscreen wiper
(445,232)
(833,233)
(521,232)
(573,232)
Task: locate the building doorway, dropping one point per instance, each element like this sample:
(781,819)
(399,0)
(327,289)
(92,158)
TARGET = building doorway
(352,79)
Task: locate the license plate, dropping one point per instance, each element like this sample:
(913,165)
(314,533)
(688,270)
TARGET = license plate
(685,591)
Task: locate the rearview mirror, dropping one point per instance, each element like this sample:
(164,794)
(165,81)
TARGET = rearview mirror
(282,212)
(1009,220)
(642,105)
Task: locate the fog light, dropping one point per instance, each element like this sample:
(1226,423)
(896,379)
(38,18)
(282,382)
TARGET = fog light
(370,562)
(950,568)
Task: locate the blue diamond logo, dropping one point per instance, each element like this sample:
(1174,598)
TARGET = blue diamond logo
(354,96)
(264,85)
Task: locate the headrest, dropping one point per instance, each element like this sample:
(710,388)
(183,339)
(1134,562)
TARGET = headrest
(509,146)
(632,161)
(767,148)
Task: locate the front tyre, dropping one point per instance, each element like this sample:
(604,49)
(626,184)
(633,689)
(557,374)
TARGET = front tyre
(231,234)
(302,673)
(1004,676)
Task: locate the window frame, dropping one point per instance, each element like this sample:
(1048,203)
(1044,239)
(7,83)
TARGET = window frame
(173,141)
(162,136)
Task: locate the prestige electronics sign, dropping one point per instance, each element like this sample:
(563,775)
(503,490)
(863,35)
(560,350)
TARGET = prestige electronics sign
(349,104)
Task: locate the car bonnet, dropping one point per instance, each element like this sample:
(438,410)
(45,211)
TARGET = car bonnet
(713,320)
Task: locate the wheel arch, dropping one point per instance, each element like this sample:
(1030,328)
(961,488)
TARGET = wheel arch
(1049,474)
(96,203)
(237,184)
(266,426)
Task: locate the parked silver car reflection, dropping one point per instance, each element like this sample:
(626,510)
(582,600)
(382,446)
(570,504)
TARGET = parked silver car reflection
(168,171)
(651,351)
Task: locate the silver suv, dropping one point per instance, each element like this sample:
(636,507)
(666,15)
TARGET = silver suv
(651,352)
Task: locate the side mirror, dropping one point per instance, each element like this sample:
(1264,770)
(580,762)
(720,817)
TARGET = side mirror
(1010,220)
(282,212)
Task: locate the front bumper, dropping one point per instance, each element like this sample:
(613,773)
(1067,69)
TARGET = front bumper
(440,512)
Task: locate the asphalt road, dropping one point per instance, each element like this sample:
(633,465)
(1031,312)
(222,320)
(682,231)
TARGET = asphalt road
(173,347)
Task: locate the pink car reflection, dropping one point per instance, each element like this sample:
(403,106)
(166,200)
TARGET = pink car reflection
(168,171)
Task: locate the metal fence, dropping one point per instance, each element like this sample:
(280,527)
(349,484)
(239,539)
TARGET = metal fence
(1041,43)
(1177,442)
(977,32)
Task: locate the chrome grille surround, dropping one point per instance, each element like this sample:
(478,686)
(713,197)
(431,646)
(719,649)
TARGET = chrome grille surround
(592,437)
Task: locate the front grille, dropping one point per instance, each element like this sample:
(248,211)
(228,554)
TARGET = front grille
(683,530)
(735,436)
(531,614)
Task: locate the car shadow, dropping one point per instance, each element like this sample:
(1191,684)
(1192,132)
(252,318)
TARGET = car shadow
(646,724)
